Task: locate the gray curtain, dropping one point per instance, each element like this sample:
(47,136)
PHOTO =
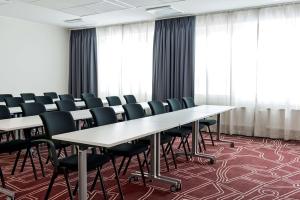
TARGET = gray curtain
(173,58)
(83,62)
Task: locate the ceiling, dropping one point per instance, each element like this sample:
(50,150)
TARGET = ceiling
(86,13)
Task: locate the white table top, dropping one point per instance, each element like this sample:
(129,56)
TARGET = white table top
(49,107)
(122,132)
(34,121)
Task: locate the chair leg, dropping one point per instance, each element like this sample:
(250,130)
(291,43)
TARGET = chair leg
(168,151)
(24,160)
(66,175)
(173,156)
(147,155)
(141,168)
(40,160)
(187,142)
(50,185)
(121,165)
(94,182)
(102,183)
(16,162)
(203,142)
(146,161)
(59,152)
(184,148)
(117,177)
(126,167)
(32,164)
(2,178)
(75,189)
(211,137)
(165,157)
(65,152)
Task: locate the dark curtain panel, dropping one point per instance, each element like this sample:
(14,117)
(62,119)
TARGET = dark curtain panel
(173,58)
(83,62)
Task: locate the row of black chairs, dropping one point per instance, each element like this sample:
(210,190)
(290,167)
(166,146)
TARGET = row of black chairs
(54,124)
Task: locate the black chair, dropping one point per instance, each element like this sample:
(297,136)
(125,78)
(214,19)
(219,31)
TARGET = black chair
(66,105)
(66,97)
(182,132)
(62,122)
(10,147)
(43,100)
(87,95)
(130,99)
(31,134)
(189,103)
(3,96)
(53,95)
(5,114)
(27,96)
(114,101)
(93,102)
(14,144)
(14,101)
(106,115)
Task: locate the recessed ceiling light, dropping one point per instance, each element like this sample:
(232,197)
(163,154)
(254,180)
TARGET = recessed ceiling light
(163,11)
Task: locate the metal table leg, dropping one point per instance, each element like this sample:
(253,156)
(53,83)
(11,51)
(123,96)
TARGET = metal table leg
(219,134)
(82,174)
(195,151)
(155,166)
(10,195)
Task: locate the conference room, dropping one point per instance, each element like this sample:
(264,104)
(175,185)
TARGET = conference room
(149,99)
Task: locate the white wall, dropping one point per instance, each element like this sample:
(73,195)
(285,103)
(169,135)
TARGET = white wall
(33,57)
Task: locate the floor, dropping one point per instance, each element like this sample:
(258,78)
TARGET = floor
(255,169)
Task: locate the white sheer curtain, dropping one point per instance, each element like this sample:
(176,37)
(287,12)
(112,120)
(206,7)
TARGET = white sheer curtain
(250,59)
(125,60)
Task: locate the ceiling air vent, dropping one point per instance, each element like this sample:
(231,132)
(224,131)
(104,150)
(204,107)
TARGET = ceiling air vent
(72,21)
(163,11)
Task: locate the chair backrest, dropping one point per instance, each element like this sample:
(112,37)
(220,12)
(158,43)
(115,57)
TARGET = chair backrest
(3,96)
(87,95)
(104,116)
(57,122)
(174,104)
(27,96)
(66,97)
(134,111)
(66,105)
(157,107)
(4,112)
(93,102)
(31,109)
(188,102)
(114,101)
(14,101)
(43,100)
(130,99)
(53,95)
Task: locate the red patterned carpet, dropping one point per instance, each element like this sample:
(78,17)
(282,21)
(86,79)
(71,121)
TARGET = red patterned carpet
(254,169)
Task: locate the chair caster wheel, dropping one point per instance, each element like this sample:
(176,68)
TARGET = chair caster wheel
(175,188)
(212,161)
(232,145)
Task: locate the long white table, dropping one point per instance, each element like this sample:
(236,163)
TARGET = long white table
(19,123)
(115,134)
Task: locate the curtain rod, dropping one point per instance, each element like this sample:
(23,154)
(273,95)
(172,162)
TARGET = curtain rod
(297,2)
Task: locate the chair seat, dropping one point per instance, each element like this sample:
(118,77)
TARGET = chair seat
(178,132)
(59,145)
(128,149)
(93,161)
(11,146)
(208,122)
(164,139)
